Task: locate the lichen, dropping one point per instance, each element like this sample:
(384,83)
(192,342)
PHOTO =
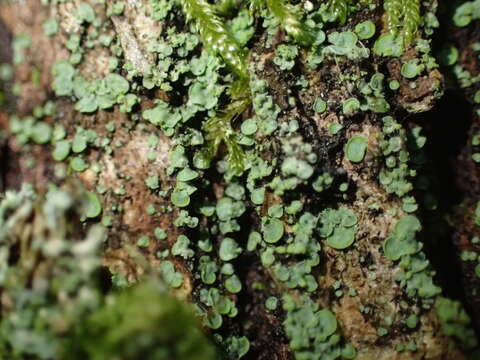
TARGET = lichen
(263,144)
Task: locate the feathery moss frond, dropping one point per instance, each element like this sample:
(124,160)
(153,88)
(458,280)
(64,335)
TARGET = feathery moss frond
(225,7)
(339,9)
(403,18)
(215,35)
(289,17)
(239,89)
(139,311)
(218,130)
(218,39)
(412,19)
(257,5)
(393,13)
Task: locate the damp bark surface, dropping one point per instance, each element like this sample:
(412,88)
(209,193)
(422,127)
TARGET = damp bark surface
(359,284)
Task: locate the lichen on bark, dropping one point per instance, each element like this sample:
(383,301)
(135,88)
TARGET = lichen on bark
(318,245)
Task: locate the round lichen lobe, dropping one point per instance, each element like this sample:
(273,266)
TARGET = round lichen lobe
(356,149)
(273,230)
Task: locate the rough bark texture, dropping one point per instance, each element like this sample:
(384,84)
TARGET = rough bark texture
(364,267)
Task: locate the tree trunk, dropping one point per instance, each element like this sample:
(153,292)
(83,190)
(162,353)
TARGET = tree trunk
(358,218)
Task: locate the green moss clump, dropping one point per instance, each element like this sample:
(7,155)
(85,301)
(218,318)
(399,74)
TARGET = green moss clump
(288,17)
(140,322)
(215,35)
(403,18)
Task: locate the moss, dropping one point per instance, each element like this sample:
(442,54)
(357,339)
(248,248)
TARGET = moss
(215,35)
(403,18)
(139,312)
(288,17)
(218,130)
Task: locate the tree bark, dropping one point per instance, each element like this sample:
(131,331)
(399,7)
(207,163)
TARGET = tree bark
(358,284)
